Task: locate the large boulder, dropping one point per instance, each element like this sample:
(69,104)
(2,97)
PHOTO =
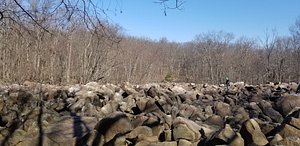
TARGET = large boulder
(178,90)
(223,137)
(215,120)
(171,143)
(70,127)
(186,129)
(182,131)
(237,140)
(279,140)
(267,109)
(115,124)
(222,109)
(252,134)
(45,141)
(140,130)
(152,92)
(226,134)
(287,134)
(287,103)
(187,111)
(183,142)
(289,131)
(200,130)
(241,115)
(295,122)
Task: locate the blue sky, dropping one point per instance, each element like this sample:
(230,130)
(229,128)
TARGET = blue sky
(250,18)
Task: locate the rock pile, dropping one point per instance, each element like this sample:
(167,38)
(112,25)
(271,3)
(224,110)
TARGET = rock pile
(164,114)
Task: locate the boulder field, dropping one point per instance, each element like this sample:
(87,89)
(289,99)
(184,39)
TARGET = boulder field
(156,114)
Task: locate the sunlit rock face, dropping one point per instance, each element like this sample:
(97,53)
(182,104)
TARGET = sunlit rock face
(149,114)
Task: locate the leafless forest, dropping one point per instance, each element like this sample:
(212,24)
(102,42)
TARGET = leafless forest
(64,42)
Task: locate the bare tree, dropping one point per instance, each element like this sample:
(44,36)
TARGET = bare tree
(269,46)
(295,31)
(213,46)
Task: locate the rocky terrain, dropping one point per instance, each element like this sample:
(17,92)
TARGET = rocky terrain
(158,114)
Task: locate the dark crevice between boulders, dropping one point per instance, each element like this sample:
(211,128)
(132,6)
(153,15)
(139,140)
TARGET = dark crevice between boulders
(215,141)
(3,122)
(204,141)
(274,131)
(162,137)
(159,106)
(132,141)
(125,94)
(100,96)
(136,110)
(97,139)
(152,124)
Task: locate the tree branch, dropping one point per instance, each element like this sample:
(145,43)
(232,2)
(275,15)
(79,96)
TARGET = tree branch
(178,4)
(30,16)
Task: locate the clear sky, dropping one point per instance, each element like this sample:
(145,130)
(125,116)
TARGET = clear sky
(250,18)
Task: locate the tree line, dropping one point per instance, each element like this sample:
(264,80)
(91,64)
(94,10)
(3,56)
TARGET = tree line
(64,42)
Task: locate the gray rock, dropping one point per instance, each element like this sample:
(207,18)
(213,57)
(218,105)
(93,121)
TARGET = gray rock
(270,112)
(226,134)
(141,130)
(178,90)
(172,143)
(222,109)
(192,126)
(187,111)
(215,120)
(70,127)
(208,110)
(181,131)
(287,131)
(241,115)
(77,106)
(287,103)
(114,124)
(152,92)
(183,142)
